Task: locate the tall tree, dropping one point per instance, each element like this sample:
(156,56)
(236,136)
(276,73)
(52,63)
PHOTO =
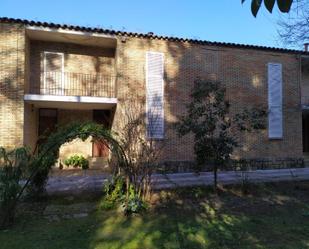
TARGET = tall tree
(214,127)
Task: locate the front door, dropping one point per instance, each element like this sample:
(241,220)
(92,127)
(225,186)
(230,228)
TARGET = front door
(53,82)
(100,148)
(47,123)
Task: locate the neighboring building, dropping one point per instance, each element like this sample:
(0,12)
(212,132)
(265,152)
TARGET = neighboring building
(52,74)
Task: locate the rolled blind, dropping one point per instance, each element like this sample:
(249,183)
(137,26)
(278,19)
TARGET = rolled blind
(275,129)
(155,94)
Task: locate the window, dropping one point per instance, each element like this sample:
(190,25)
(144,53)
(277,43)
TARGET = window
(275,130)
(53,78)
(155,95)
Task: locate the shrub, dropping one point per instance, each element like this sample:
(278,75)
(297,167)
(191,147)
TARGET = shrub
(12,166)
(77,161)
(114,192)
(9,189)
(134,205)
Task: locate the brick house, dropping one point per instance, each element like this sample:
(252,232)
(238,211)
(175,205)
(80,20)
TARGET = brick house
(52,74)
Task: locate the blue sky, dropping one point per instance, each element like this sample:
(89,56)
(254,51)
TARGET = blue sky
(214,20)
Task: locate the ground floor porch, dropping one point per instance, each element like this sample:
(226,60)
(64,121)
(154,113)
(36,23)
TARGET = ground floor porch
(42,119)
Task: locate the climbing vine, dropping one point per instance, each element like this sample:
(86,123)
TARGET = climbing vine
(19,164)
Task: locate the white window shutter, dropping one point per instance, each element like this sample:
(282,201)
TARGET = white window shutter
(53,82)
(275,129)
(155,94)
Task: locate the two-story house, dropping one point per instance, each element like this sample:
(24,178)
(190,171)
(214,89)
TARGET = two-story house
(52,74)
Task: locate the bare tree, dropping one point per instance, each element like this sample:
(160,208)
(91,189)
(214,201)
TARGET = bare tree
(141,147)
(294,29)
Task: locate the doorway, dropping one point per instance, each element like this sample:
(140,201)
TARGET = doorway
(100,148)
(48,119)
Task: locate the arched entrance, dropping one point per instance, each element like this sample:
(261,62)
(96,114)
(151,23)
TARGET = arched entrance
(48,153)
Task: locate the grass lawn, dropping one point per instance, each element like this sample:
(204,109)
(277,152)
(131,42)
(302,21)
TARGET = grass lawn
(271,216)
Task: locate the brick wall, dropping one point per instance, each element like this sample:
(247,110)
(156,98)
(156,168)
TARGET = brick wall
(242,71)
(305,86)
(12,64)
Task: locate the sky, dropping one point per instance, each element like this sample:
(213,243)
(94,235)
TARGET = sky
(213,20)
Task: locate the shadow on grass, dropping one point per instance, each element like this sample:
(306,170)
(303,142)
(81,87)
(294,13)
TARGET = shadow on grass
(272,216)
(196,218)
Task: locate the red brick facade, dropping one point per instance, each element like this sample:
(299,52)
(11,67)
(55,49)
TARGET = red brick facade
(242,70)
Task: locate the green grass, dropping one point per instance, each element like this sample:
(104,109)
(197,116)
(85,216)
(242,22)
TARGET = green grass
(272,216)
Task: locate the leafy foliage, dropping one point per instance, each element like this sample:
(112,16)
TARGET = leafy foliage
(77,161)
(134,202)
(283,5)
(134,205)
(48,154)
(12,166)
(36,167)
(208,118)
(114,192)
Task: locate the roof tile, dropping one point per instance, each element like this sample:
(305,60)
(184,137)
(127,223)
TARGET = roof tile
(149,35)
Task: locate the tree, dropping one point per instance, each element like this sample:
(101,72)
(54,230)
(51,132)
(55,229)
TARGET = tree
(294,29)
(283,5)
(215,129)
(142,152)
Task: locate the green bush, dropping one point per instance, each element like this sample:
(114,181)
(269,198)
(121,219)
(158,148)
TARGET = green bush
(134,203)
(77,161)
(114,193)
(12,166)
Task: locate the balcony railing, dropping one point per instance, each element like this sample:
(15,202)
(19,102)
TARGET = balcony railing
(74,84)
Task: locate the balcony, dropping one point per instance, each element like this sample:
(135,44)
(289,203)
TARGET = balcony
(69,88)
(74,84)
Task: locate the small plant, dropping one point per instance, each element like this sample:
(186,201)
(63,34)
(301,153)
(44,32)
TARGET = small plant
(77,161)
(114,192)
(134,204)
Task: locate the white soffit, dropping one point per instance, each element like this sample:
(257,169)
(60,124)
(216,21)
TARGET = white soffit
(69,36)
(70,102)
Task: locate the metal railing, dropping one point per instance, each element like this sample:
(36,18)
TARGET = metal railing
(74,84)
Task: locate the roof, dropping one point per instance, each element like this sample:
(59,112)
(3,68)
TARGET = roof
(149,35)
